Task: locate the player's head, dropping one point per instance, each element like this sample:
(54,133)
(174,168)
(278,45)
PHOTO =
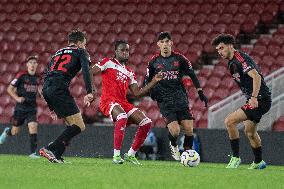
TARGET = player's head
(77,38)
(121,48)
(165,43)
(224,44)
(32,64)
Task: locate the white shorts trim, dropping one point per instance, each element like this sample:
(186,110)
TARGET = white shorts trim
(131,112)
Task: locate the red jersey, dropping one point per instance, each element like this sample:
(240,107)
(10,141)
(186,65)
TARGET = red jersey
(115,79)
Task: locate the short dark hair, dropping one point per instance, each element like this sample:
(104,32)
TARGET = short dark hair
(223,38)
(76,35)
(33,57)
(118,42)
(163,35)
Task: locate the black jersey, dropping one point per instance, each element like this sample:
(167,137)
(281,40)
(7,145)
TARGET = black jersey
(27,87)
(173,68)
(239,67)
(66,63)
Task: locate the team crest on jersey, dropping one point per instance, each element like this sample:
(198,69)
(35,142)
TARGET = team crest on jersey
(160,67)
(176,64)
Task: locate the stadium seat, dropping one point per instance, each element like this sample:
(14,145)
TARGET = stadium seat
(279,125)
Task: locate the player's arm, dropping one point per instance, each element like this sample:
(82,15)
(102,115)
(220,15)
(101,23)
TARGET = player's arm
(12,88)
(150,73)
(85,61)
(256,87)
(256,82)
(187,70)
(138,92)
(12,91)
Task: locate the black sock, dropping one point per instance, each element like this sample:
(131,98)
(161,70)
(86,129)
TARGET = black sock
(235,147)
(172,139)
(8,132)
(64,139)
(33,141)
(257,154)
(188,142)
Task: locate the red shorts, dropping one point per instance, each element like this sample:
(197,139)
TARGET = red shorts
(107,106)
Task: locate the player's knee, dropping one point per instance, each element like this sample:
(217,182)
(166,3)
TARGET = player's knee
(175,131)
(82,127)
(15,132)
(229,122)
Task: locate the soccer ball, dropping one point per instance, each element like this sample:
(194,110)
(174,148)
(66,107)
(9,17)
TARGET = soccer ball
(190,158)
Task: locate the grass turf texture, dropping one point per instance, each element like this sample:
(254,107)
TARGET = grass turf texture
(23,172)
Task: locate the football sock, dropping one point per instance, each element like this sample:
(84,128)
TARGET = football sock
(64,139)
(116,152)
(141,133)
(131,152)
(257,154)
(188,142)
(119,130)
(235,147)
(172,139)
(33,141)
(9,132)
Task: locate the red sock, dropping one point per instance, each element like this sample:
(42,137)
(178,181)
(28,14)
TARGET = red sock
(119,129)
(141,133)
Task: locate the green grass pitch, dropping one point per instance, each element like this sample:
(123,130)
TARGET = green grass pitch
(22,172)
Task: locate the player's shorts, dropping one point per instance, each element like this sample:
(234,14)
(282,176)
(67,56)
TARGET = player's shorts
(107,106)
(255,114)
(59,99)
(20,117)
(171,113)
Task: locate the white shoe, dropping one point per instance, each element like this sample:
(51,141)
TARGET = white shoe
(34,156)
(175,152)
(4,135)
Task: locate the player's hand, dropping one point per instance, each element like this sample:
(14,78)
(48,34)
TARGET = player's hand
(88,99)
(158,77)
(53,115)
(253,102)
(20,99)
(202,97)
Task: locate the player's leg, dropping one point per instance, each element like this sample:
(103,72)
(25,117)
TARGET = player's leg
(186,122)
(75,125)
(144,125)
(255,142)
(63,104)
(187,126)
(17,120)
(174,130)
(33,128)
(120,120)
(231,122)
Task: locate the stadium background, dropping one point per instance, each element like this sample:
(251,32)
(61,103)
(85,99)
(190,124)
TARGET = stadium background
(40,27)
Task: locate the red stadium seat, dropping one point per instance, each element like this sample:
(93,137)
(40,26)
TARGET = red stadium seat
(258,8)
(239,18)
(244,9)
(205,8)
(213,82)
(212,18)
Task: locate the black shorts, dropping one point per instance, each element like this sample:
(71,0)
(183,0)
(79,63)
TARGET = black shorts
(171,115)
(59,99)
(20,117)
(255,114)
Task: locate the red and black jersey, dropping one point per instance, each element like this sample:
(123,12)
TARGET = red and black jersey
(27,87)
(239,67)
(67,62)
(173,68)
